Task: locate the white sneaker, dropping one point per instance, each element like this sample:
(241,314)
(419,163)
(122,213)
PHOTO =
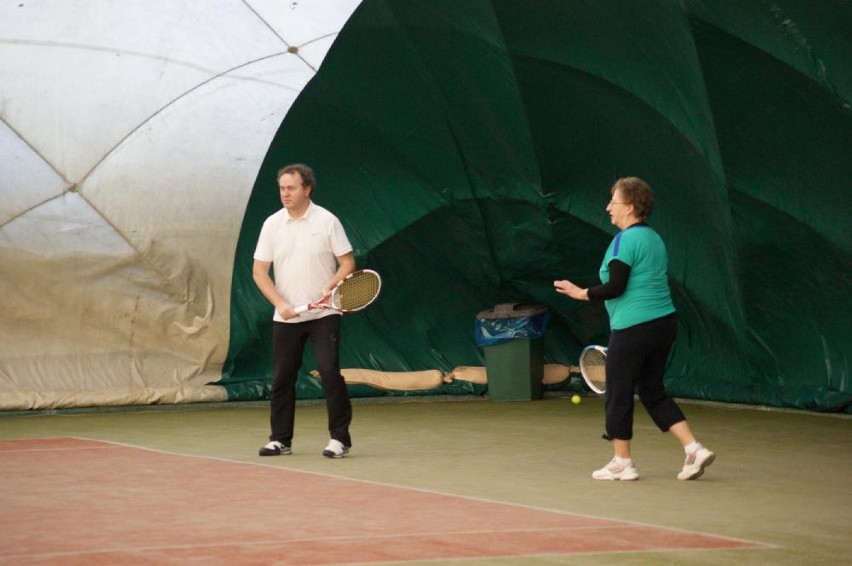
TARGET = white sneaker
(616,471)
(275,448)
(335,449)
(695,463)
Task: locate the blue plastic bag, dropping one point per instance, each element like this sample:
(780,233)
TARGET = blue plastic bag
(509,321)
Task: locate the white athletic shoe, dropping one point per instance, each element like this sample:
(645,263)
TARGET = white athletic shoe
(616,471)
(275,448)
(335,449)
(695,463)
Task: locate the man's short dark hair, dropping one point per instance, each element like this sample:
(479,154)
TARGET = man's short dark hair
(305,172)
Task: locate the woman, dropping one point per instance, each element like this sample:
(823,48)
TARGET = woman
(642,319)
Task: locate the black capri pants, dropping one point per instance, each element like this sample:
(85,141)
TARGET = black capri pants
(636,364)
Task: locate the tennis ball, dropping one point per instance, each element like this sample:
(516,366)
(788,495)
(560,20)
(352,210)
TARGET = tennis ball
(576,399)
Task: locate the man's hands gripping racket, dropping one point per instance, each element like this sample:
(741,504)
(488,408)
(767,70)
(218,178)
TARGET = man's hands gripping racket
(593,368)
(356,292)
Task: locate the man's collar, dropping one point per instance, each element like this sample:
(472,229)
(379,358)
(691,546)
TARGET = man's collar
(305,216)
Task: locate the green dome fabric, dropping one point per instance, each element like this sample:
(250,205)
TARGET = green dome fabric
(469,147)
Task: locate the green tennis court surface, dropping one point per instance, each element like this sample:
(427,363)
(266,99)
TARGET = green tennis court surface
(428,482)
(111,503)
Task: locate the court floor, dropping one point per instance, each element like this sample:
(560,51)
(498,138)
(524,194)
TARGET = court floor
(437,481)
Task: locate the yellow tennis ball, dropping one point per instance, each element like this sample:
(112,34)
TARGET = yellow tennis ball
(576,399)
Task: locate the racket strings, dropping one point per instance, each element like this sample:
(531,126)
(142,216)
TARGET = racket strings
(357,292)
(593,368)
(597,375)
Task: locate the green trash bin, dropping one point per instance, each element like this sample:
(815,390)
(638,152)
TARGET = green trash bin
(511,336)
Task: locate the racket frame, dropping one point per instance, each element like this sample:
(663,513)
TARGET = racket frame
(331,301)
(593,384)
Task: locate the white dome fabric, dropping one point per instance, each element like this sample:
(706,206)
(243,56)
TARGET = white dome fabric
(131,134)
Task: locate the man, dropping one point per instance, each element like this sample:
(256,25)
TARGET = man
(309,252)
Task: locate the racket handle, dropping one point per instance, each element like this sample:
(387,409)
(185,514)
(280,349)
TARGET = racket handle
(301,309)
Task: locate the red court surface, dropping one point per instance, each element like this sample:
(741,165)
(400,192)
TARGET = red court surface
(79,501)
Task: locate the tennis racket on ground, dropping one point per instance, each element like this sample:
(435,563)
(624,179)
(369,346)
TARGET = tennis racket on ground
(593,368)
(356,292)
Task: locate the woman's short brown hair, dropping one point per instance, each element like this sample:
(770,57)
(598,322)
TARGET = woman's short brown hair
(637,192)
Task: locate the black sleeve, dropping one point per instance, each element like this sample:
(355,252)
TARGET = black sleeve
(619,272)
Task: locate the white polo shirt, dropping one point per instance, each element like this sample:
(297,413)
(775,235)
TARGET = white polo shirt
(304,253)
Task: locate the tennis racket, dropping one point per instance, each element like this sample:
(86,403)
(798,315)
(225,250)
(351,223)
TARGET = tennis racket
(593,368)
(357,291)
